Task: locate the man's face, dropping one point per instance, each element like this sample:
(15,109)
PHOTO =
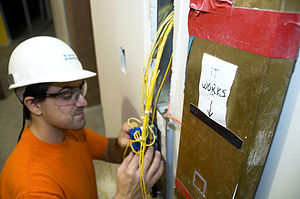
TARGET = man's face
(64,111)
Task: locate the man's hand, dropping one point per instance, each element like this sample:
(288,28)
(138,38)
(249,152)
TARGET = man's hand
(128,179)
(124,138)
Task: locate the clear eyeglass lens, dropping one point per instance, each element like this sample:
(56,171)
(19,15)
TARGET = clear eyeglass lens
(71,95)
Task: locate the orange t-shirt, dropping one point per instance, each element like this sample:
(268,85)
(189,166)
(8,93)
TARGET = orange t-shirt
(36,169)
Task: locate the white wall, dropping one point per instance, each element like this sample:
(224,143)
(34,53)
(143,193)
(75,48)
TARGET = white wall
(116,24)
(180,50)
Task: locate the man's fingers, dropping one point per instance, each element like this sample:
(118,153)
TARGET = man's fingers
(126,127)
(134,163)
(148,158)
(156,175)
(126,162)
(154,165)
(124,138)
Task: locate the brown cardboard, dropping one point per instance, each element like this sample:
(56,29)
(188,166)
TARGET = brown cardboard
(253,109)
(280,5)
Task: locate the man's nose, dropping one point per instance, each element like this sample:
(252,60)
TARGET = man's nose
(81,101)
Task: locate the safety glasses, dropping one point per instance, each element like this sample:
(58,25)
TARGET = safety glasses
(68,95)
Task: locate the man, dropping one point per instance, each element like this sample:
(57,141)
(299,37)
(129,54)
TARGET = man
(53,158)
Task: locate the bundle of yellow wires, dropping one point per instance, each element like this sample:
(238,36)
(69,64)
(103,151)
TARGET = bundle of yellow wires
(148,85)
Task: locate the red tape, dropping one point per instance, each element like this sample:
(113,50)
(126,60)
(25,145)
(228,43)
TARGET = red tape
(222,7)
(182,189)
(267,33)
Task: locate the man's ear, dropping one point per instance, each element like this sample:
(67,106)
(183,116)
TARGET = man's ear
(33,105)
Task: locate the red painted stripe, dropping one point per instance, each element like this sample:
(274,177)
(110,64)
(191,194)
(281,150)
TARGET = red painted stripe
(182,189)
(267,33)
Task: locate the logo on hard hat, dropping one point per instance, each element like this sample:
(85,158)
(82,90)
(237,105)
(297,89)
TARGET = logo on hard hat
(69,56)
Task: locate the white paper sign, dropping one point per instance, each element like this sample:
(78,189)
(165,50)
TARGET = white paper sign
(214,88)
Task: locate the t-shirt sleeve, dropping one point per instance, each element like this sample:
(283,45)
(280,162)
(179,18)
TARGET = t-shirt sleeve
(97,143)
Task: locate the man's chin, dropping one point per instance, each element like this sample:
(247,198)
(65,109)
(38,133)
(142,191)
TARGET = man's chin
(79,125)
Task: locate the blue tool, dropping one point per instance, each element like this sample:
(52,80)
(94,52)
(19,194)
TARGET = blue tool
(136,145)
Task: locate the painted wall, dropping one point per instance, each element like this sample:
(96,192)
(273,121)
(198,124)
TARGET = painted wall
(180,50)
(120,24)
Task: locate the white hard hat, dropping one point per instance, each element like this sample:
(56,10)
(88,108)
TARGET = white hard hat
(44,59)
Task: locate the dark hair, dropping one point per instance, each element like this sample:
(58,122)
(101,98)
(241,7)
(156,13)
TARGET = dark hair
(37,91)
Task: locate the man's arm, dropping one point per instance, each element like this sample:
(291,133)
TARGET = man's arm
(113,153)
(116,146)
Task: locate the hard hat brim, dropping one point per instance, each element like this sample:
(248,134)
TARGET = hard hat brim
(78,75)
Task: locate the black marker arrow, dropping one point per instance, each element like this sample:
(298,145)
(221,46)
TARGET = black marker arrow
(210,113)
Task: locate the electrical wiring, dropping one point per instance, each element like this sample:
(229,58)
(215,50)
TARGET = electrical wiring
(162,41)
(103,193)
(171,117)
(161,80)
(150,55)
(133,124)
(161,85)
(168,112)
(144,134)
(148,87)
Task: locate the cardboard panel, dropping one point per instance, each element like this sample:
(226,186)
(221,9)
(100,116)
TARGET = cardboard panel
(209,165)
(280,5)
(276,81)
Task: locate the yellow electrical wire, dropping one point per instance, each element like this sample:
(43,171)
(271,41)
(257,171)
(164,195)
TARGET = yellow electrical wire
(104,193)
(149,95)
(161,85)
(158,48)
(133,124)
(149,57)
(148,84)
(162,42)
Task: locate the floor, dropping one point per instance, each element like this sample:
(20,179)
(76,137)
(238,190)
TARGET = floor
(11,121)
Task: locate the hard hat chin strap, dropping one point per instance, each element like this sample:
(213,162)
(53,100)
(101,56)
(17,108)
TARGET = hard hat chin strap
(23,124)
(19,93)
(30,90)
